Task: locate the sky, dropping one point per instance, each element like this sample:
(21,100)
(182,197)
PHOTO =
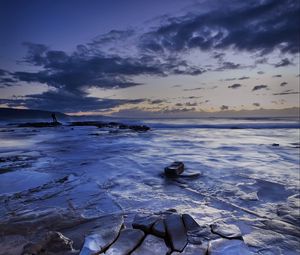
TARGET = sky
(142,57)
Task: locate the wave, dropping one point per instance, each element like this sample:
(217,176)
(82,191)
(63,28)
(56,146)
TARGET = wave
(228,126)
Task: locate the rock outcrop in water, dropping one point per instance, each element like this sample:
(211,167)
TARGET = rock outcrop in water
(40,124)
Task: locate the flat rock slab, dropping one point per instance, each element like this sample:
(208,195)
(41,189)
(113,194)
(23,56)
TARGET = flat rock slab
(103,234)
(176,232)
(144,222)
(159,228)
(229,231)
(225,246)
(192,249)
(128,240)
(189,223)
(151,245)
(190,174)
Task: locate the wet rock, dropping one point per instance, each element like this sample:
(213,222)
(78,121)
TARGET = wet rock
(128,240)
(190,174)
(225,246)
(192,249)
(40,124)
(175,169)
(103,234)
(176,232)
(189,223)
(202,235)
(159,228)
(275,144)
(137,128)
(144,222)
(229,231)
(12,244)
(53,243)
(151,245)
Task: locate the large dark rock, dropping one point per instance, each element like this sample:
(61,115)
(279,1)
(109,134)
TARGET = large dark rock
(139,128)
(40,124)
(52,243)
(151,245)
(175,169)
(176,232)
(127,241)
(144,222)
(104,232)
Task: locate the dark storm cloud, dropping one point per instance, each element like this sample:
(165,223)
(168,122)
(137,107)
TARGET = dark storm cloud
(284,62)
(113,35)
(258,87)
(66,102)
(235,86)
(256,104)
(282,84)
(3,72)
(224,107)
(193,89)
(228,66)
(251,26)
(277,76)
(244,78)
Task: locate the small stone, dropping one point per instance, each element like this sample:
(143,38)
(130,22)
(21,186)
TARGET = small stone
(159,228)
(151,245)
(128,240)
(229,231)
(176,232)
(192,249)
(189,223)
(144,222)
(175,169)
(225,246)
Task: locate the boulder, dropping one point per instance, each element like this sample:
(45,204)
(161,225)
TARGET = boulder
(229,231)
(144,222)
(127,241)
(175,169)
(151,245)
(225,246)
(159,228)
(103,234)
(176,232)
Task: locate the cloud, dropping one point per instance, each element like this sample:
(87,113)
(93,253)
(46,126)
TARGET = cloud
(258,87)
(67,102)
(244,78)
(253,26)
(256,104)
(228,66)
(191,104)
(277,76)
(286,92)
(282,84)
(224,107)
(260,72)
(193,89)
(235,86)
(283,62)
(157,101)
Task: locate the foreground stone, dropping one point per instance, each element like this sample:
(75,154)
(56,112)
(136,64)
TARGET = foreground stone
(225,246)
(151,245)
(192,249)
(189,223)
(144,222)
(176,232)
(159,228)
(229,231)
(175,169)
(128,240)
(102,235)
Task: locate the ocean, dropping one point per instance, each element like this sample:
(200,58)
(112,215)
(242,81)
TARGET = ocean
(248,175)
